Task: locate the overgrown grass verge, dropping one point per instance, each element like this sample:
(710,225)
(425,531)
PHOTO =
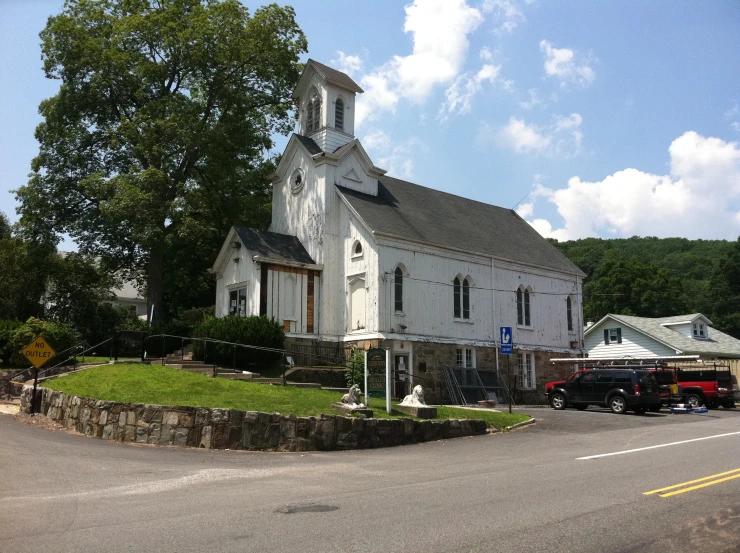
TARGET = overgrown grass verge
(166,386)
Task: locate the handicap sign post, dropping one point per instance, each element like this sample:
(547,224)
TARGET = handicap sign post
(507,348)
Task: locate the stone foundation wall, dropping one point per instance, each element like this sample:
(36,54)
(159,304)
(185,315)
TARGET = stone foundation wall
(232,429)
(9,390)
(436,355)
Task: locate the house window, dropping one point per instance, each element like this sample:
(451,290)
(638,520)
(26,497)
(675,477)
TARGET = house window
(523,317)
(526,371)
(466,358)
(357,249)
(357,304)
(313,112)
(289,297)
(612,336)
(699,331)
(569,310)
(456,298)
(238,302)
(339,115)
(398,286)
(466,299)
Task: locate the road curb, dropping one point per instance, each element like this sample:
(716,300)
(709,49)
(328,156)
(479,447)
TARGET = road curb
(523,423)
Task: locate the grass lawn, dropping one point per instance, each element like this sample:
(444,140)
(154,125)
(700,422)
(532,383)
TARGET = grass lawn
(165,386)
(102,358)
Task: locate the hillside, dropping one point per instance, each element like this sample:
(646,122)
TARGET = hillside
(657,277)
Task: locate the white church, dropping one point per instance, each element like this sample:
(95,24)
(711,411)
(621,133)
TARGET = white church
(355,257)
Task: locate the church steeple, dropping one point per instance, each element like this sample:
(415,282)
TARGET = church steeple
(326,105)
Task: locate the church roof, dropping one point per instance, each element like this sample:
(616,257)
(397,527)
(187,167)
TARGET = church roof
(309,144)
(275,246)
(336,77)
(414,212)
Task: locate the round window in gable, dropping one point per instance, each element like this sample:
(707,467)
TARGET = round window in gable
(297,180)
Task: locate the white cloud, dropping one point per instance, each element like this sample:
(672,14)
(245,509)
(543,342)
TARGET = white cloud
(534,99)
(460,94)
(525,210)
(396,158)
(733,114)
(486,54)
(692,201)
(507,14)
(440,29)
(347,63)
(562,64)
(562,138)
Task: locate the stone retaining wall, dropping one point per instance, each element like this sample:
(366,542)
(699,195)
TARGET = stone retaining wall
(9,389)
(232,429)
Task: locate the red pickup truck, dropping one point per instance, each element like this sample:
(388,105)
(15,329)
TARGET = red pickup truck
(709,387)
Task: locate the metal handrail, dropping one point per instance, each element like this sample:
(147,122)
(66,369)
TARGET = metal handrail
(83,352)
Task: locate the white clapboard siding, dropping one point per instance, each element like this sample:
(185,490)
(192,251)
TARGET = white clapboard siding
(634,343)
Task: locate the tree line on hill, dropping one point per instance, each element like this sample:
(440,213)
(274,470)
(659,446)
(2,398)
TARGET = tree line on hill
(659,277)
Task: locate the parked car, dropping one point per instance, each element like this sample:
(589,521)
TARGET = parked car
(550,385)
(671,392)
(709,387)
(618,389)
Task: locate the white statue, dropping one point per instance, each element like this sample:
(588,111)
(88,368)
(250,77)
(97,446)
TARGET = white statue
(415,399)
(352,397)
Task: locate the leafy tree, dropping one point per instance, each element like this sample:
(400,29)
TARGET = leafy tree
(163,117)
(726,292)
(23,272)
(632,288)
(76,286)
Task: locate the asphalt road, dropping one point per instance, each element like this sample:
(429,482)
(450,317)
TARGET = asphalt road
(517,492)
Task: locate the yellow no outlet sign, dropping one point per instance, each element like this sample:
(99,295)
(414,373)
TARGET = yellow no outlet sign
(38,352)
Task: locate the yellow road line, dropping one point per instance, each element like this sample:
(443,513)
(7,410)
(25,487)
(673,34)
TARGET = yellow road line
(712,483)
(682,484)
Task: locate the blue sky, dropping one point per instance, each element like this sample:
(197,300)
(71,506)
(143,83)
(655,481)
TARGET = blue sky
(612,118)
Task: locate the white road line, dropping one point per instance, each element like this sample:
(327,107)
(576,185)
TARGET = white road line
(655,446)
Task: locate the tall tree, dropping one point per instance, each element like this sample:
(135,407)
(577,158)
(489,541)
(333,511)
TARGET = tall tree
(165,111)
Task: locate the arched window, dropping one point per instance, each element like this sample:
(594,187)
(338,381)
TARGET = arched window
(357,249)
(398,285)
(289,297)
(523,317)
(313,112)
(466,298)
(569,309)
(339,114)
(456,298)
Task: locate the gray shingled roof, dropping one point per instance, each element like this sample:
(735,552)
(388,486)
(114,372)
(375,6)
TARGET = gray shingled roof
(309,144)
(337,77)
(717,343)
(415,212)
(273,245)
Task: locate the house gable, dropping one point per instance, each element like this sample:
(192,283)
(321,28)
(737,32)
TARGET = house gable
(634,342)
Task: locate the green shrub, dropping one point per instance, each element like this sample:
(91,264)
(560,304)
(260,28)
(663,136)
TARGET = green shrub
(196,316)
(106,321)
(6,336)
(60,337)
(253,331)
(355,371)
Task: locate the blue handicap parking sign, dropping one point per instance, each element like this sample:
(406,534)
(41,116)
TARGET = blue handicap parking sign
(507,347)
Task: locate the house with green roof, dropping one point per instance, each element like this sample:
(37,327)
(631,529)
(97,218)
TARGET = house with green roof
(616,336)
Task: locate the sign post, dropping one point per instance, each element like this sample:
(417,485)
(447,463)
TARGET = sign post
(376,374)
(37,352)
(388,381)
(507,348)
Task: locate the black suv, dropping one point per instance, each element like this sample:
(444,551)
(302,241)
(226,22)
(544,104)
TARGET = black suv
(618,389)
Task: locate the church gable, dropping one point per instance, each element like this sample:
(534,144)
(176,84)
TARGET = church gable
(351,174)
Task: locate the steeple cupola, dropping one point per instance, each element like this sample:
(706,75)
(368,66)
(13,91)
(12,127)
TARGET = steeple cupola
(326,105)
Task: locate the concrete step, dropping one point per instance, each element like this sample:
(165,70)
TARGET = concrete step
(268,380)
(313,385)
